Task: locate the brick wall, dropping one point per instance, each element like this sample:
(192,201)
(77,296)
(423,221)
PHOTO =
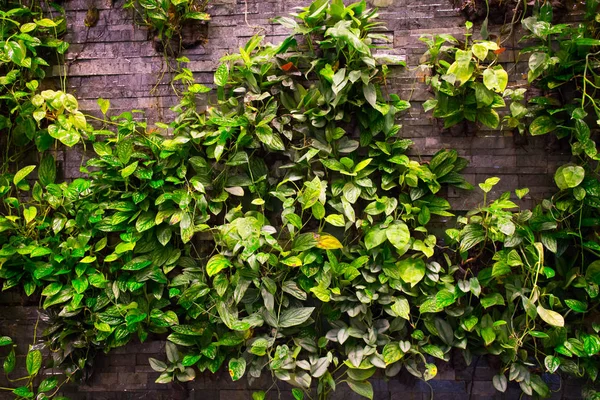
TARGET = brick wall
(124,374)
(116,60)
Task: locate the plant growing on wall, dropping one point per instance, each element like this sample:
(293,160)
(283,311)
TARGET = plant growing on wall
(562,64)
(174,23)
(322,265)
(29,41)
(466,79)
(538,275)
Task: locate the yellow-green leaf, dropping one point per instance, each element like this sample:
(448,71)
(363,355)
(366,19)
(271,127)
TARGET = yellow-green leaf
(551,317)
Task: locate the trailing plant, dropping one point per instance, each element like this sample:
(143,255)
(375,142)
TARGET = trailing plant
(168,19)
(562,63)
(537,271)
(466,79)
(30,40)
(46,388)
(285,231)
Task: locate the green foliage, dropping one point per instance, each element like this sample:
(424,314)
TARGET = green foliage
(167,18)
(335,225)
(29,40)
(286,231)
(467,82)
(46,388)
(544,261)
(562,64)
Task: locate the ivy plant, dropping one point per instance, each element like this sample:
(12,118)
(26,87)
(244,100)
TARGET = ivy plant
(466,79)
(167,19)
(561,64)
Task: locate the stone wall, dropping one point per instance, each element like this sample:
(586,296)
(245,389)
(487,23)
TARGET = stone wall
(116,60)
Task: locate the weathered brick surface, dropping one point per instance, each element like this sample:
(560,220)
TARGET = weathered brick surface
(116,60)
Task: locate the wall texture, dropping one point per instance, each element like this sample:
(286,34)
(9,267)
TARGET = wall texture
(116,60)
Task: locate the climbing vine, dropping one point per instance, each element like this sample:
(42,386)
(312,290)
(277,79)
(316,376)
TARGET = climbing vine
(286,231)
(174,23)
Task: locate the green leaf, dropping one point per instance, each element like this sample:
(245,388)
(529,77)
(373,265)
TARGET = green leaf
(237,368)
(29,214)
(430,104)
(16,52)
(480,51)
(260,395)
(542,125)
(60,297)
(102,149)
(462,69)
(130,169)
(292,261)
(10,361)
(370,94)
(401,308)
(48,384)
(569,176)
(294,316)
(500,382)
(492,300)
(374,237)
(576,305)
(392,353)
(592,272)
(434,351)
(45,22)
(5,341)
(341,31)
(216,264)
(483,95)
(33,361)
(539,386)
(411,270)
(200,16)
(145,221)
(488,335)
(163,234)
(336,220)
(550,317)
(221,75)
(47,173)
(104,105)
(538,62)
(495,79)
(488,117)
(363,388)
(187,375)
(552,363)
(398,235)
(23,391)
(124,150)
(303,242)
(22,174)
(157,365)
(80,284)
(298,394)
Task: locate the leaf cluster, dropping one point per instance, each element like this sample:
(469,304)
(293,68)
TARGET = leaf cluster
(466,79)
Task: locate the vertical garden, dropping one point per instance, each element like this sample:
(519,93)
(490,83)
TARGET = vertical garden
(282,227)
